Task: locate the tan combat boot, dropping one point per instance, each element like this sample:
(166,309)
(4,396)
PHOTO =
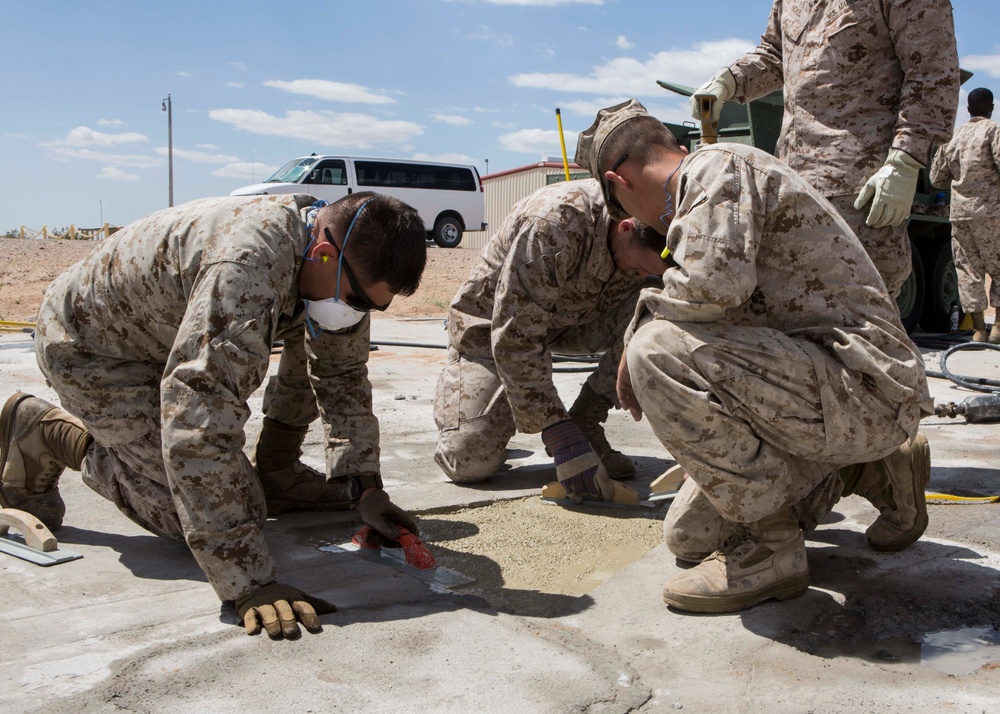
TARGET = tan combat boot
(588,412)
(38,441)
(760,561)
(289,484)
(995,330)
(895,485)
(979,325)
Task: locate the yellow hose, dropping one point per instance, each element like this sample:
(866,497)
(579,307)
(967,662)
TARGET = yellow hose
(948,499)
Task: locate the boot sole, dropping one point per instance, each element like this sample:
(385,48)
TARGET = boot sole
(785,590)
(6,436)
(920,453)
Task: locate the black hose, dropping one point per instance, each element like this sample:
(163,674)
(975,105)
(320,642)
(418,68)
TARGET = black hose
(978,384)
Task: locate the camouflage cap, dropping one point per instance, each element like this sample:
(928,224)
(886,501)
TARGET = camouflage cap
(590,142)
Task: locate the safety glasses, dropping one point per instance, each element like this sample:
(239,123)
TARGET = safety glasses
(357,299)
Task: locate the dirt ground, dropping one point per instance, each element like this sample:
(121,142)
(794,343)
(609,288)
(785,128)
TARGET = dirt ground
(28,266)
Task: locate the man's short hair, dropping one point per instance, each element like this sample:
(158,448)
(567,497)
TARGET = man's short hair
(388,242)
(980,102)
(648,237)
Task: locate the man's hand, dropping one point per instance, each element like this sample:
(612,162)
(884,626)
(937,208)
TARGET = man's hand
(578,467)
(383,515)
(890,190)
(626,395)
(276,607)
(722,86)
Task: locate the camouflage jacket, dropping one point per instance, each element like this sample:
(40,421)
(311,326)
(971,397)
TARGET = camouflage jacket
(969,165)
(547,268)
(859,77)
(205,290)
(757,246)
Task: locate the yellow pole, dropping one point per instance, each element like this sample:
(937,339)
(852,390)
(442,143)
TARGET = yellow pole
(562,141)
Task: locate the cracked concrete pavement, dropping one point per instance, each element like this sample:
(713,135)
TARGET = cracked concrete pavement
(133,626)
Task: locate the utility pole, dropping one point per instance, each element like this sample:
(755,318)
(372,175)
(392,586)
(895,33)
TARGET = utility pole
(167,107)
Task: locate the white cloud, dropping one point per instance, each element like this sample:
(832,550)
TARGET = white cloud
(241,66)
(112,174)
(17,136)
(446,158)
(452,119)
(990,64)
(206,146)
(85,136)
(488,34)
(536,141)
(346,130)
(184,74)
(545,3)
(138,161)
(110,122)
(629,77)
(236,85)
(331,91)
(245,171)
(622,43)
(200,157)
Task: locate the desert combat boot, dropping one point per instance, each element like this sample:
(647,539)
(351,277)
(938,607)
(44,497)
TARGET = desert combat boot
(589,412)
(289,484)
(760,561)
(895,485)
(37,441)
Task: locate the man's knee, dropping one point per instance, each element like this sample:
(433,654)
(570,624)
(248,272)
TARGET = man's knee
(468,465)
(693,528)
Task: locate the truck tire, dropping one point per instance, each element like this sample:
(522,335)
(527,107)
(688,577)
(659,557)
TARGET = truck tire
(448,232)
(910,300)
(942,287)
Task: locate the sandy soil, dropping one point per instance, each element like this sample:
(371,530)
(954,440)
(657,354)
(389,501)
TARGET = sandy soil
(28,266)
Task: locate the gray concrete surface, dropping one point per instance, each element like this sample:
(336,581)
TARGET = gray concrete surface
(134,627)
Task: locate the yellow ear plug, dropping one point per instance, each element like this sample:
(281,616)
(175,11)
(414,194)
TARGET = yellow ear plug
(665,253)
(325,258)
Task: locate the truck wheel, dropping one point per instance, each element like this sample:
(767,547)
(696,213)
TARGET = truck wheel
(910,300)
(448,232)
(942,287)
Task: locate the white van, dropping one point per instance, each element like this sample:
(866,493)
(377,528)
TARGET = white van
(448,197)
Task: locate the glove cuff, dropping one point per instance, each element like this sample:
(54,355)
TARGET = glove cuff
(358,483)
(266,595)
(727,81)
(899,158)
(562,435)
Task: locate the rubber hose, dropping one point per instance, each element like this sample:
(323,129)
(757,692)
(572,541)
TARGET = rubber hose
(977,384)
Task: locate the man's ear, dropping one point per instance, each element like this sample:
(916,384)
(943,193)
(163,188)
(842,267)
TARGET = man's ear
(622,182)
(626,225)
(322,250)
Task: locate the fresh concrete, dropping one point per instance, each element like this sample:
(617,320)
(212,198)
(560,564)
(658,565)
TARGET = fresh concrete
(133,626)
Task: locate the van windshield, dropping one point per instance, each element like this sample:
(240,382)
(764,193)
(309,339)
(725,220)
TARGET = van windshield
(292,171)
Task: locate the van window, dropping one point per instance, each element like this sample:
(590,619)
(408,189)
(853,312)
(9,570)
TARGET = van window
(400,175)
(329,172)
(292,171)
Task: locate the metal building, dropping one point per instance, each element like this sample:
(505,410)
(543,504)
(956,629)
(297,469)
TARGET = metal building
(505,188)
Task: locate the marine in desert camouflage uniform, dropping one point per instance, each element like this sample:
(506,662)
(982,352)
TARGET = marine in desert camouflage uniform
(969,165)
(771,363)
(546,282)
(154,344)
(865,82)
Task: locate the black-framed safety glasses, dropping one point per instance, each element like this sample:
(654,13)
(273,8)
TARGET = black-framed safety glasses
(357,299)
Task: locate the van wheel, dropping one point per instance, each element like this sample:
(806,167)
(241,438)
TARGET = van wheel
(910,300)
(448,232)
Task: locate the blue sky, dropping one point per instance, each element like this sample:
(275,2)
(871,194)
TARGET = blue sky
(254,84)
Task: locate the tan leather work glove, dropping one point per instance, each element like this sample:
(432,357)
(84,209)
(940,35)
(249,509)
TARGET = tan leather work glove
(383,515)
(890,190)
(276,607)
(578,467)
(722,86)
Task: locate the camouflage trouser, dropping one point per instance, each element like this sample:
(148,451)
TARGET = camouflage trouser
(471,411)
(975,245)
(758,419)
(889,248)
(288,396)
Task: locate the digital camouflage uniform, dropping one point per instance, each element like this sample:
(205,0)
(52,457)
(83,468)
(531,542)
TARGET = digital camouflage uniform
(774,356)
(545,283)
(859,77)
(970,165)
(156,342)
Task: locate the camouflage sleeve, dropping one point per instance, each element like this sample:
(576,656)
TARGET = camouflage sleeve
(338,369)
(923,33)
(538,265)
(940,175)
(995,146)
(713,239)
(760,72)
(219,357)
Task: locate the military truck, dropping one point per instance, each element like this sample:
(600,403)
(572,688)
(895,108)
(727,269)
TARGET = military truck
(929,296)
